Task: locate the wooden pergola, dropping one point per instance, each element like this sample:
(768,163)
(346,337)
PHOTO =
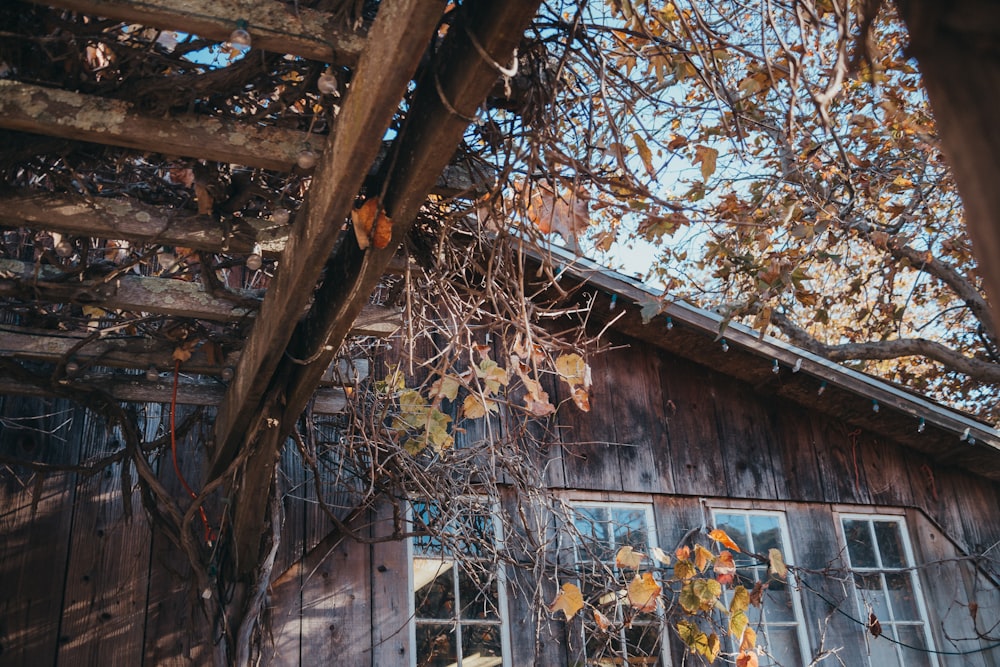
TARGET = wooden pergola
(321,291)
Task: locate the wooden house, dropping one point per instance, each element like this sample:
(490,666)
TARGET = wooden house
(882,502)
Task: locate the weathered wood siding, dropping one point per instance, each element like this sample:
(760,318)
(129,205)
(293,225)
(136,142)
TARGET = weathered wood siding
(83,587)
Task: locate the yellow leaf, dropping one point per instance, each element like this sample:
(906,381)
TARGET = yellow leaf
(572,369)
(474,407)
(738,622)
(569,600)
(714,646)
(645,154)
(740,601)
(684,570)
(702,557)
(628,558)
(707,157)
(749,641)
(644,592)
(722,538)
(445,387)
(777,565)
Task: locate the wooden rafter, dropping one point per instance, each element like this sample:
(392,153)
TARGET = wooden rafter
(398,38)
(327,400)
(458,79)
(274,26)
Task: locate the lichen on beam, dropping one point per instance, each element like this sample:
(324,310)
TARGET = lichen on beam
(61,113)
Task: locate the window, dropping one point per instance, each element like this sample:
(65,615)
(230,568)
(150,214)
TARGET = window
(778,621)
(632,638)
(879,556)
(459,605)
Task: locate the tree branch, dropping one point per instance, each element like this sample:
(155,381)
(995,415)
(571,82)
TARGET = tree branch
(982,371)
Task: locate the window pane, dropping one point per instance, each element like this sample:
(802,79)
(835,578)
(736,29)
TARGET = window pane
(782,647)
(904,603)
(870,589)
(890,543)
(436,645)
(778,607)
(630,528)
(481,645)
(766,534)
(883,653)
(433,588)
(478,592)
(592,524)
(913,635)
(859,543)
(643,641)
(735,526)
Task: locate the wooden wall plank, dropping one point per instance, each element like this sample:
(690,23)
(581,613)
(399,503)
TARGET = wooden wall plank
(794,454)
(390,605)
(816,546)
(946,586)
(637,415)
(696,455)
(336,606)
(841,466)
(745,442)
(36,515)
(104,607)
(590,450)
(177,633)
(885,472)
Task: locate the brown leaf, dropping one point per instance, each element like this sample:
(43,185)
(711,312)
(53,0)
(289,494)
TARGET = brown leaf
(383,230)
(707,157)
(205,201)
(603,622)
(566,214)
(874,627)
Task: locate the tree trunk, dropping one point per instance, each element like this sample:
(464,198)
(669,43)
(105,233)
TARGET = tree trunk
(958,51)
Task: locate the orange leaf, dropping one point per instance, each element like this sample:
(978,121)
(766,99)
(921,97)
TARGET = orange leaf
(702,557)
(603,622)
(205,201)
(747,659)
(722,538)
(383,230)
(364,221)
(644,592)
(569,600)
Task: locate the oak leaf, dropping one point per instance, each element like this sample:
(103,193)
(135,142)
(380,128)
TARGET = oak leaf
(569,600)
(707,157)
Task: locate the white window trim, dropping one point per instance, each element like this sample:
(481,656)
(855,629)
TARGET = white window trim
(918,591)
(793,587)
(652,542)
(498,536)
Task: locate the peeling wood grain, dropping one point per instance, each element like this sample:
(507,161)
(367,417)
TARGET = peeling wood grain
(273,26)
(61,113)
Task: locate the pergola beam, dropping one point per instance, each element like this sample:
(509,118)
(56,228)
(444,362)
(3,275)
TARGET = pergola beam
(61,113)
(273,26)
(328,400)
(397,40)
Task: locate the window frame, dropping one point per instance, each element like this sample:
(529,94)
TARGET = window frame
(801,629)
(457,622)
(649,517)
(909,567)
